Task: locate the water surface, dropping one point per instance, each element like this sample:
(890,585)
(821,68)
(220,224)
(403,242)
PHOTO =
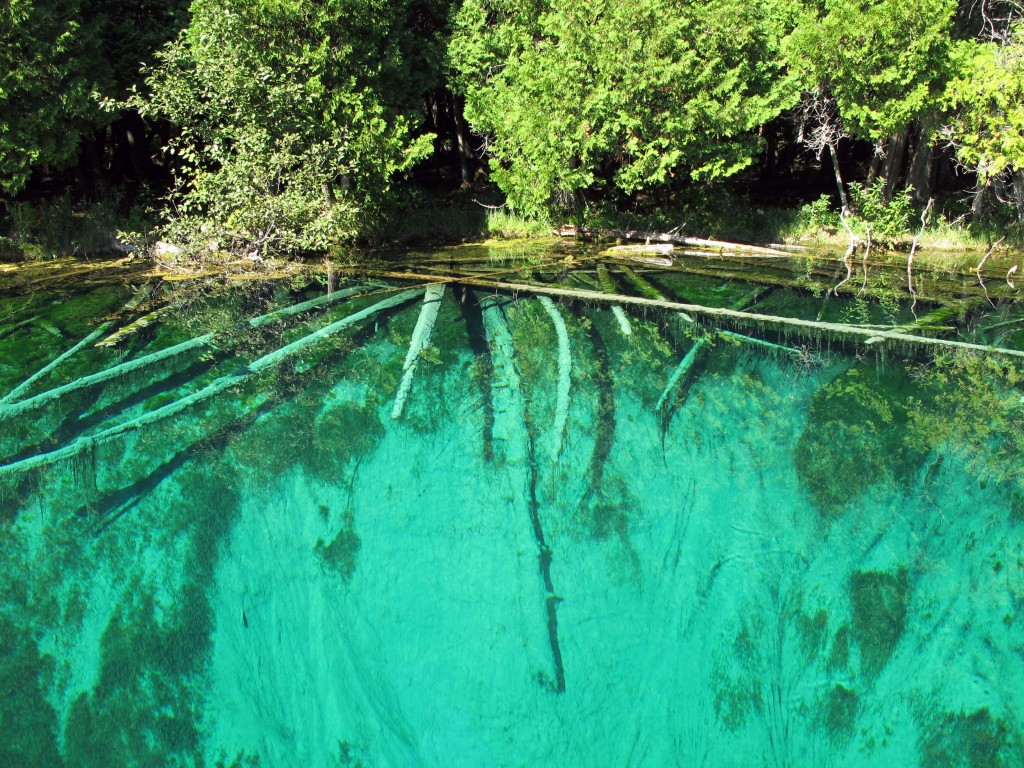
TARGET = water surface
(573,535)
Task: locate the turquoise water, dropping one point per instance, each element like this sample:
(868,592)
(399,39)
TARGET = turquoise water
(558,547)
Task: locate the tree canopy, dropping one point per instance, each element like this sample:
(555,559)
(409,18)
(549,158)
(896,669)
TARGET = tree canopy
(285,126)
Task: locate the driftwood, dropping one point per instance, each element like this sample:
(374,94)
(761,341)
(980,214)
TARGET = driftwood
(838,329)
(664,237)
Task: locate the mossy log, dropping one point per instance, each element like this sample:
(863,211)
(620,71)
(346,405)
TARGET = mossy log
(664,237)
(215,387)
(10,410)
(420,338)
(609,287)
(22,388)
(691,357)
(564,374)
(739,316)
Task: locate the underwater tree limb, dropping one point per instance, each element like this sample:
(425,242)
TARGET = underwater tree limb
(608,287)
(8,410)
(420,338)
(682,369)
(19,390)
(564,373)
(838,329)
(214,388)
(503,355)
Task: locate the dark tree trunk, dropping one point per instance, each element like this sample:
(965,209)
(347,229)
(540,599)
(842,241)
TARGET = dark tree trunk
(465,150)
(839,177)
(920,173)
(877,157)
(1018,194)
(894,162)
(978,203)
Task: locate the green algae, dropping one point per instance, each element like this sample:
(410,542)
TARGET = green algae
(856,437)
(879,603)
(341,552)
(29,721)
(970,740)
(840,712)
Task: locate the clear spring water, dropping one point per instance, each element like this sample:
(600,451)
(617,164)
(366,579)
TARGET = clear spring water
(801,558)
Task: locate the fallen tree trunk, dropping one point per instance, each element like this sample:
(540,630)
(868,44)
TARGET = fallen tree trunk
(19,390)
(664,237)
(838,329)
(9,410)
(607,286)
(213,388)
(420,338)
(564,374)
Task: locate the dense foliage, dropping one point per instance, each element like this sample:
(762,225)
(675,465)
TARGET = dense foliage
(282,126)
(293,118)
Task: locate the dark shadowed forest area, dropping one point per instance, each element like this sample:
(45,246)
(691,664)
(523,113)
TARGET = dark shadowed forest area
(279,127)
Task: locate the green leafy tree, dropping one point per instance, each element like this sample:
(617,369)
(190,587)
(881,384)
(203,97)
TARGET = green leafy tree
(48,71)
(293,118)
(884,62)
(987,100)
(618,97)
(55,58)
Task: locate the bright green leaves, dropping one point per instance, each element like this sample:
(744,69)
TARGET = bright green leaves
(46,78)
(988,102)
(294,118)
(582,96)
(885,62)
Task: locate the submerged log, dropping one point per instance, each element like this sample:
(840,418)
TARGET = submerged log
(608,287)
(19,390)
(564,374)
(838,329)
(9,410)
(519,442)
(691,357)
(213,388)
(420,338)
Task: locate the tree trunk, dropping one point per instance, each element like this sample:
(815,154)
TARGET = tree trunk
(876,163)
(1018,194)
(771,151)
(839,178)
(978,203)
(894,162)
(465,151)
(919,175)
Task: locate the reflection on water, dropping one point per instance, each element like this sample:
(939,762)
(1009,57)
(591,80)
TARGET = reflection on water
(586,537)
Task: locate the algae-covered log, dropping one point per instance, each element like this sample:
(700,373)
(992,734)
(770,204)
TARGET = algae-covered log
(22,388)
(564,374)
(9,410)
(519,445)
(688,361)
(214,388)
(609,287)
(819,326)
(420,338)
